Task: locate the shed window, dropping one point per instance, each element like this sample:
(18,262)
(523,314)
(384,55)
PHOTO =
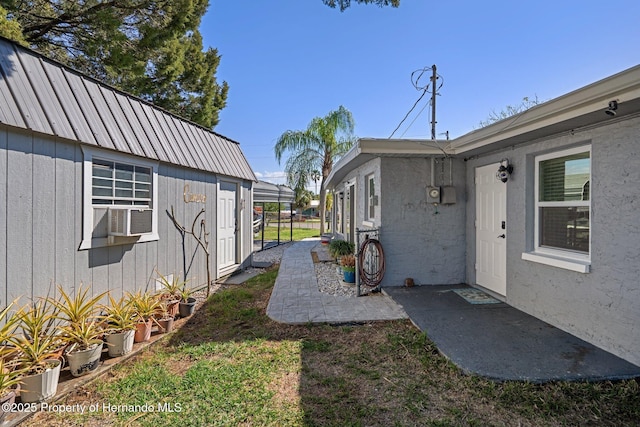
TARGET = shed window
(563,202)
(116,183)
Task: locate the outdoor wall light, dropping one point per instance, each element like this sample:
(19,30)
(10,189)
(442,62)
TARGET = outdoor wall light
(613,106)
(504,171)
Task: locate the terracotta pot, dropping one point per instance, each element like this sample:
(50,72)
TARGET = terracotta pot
(165,325)
(173,308)
(143,331)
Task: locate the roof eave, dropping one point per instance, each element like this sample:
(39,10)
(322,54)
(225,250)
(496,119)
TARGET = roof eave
(366,149)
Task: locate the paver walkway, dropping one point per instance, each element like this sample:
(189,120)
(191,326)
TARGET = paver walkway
(296,298)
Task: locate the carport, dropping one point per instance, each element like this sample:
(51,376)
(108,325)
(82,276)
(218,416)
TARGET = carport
(266,192)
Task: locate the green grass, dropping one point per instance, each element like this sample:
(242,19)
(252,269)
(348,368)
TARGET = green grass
(230,365)
(271,233)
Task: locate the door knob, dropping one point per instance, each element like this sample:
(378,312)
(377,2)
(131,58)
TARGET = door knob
(502,236)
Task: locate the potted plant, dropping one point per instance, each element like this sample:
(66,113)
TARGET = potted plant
(338,248)
(9,372)
(187,302)
(8,326)
(85,346)
(40,319)
(120,326)
(348,263)
(163,317)
(9,382)
(81,329)
(37,352)
(171,292)
(144,306)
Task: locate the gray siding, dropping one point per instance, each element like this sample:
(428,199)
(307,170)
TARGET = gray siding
(41,224)
(600,307)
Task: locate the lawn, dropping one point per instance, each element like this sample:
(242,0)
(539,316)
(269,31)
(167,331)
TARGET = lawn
(231,365)
(271,233)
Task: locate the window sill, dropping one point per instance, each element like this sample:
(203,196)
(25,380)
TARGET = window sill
(556,261)
(102,242)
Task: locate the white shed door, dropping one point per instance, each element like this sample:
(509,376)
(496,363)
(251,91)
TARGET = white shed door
(491,242)
(227,224)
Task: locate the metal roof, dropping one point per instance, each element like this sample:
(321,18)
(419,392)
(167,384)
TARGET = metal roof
(44,96)
(268,192)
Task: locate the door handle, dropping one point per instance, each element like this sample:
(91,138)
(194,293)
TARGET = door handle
(502,236)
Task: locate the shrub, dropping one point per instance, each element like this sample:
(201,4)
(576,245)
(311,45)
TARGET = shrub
(338,248)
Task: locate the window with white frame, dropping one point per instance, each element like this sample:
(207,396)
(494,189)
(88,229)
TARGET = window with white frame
(113,182)
(370,192)
(563,203)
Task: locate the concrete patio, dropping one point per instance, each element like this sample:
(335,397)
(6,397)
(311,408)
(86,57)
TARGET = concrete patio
(491,340)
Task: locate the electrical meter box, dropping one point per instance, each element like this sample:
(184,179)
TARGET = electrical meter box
(433,194)
(448,195)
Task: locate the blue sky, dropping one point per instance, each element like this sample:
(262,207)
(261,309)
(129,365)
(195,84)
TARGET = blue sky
(288,61)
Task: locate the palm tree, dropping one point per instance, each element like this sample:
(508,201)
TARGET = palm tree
(324,141)
(315,176)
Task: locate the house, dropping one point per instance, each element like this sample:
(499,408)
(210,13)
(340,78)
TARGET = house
(540,210)
(89,177)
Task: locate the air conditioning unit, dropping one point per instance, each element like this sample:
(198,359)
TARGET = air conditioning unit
(130,221)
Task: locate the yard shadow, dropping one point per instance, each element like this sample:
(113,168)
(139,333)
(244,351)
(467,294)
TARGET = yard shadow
(381,373)
(337,381)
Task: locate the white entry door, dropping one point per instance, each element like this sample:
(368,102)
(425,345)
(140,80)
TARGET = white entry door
(227,224)
(491,230)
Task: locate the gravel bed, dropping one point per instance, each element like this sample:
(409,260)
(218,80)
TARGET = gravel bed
(330,281)
(273,255)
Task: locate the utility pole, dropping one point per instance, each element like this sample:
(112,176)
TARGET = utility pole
(434,77)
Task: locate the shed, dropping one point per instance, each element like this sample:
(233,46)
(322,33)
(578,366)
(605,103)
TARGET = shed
(89,176)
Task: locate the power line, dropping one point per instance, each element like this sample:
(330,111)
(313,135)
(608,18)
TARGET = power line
(415,82)
(428,104)
(407,115)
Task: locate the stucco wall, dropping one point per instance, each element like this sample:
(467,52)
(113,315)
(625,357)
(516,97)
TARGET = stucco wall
(601,306)
(358,176)
(422,241)
(41,224)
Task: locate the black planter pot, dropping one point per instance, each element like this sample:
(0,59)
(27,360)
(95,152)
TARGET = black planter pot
(186,308)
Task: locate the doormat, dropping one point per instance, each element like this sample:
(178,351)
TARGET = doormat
(476,296)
